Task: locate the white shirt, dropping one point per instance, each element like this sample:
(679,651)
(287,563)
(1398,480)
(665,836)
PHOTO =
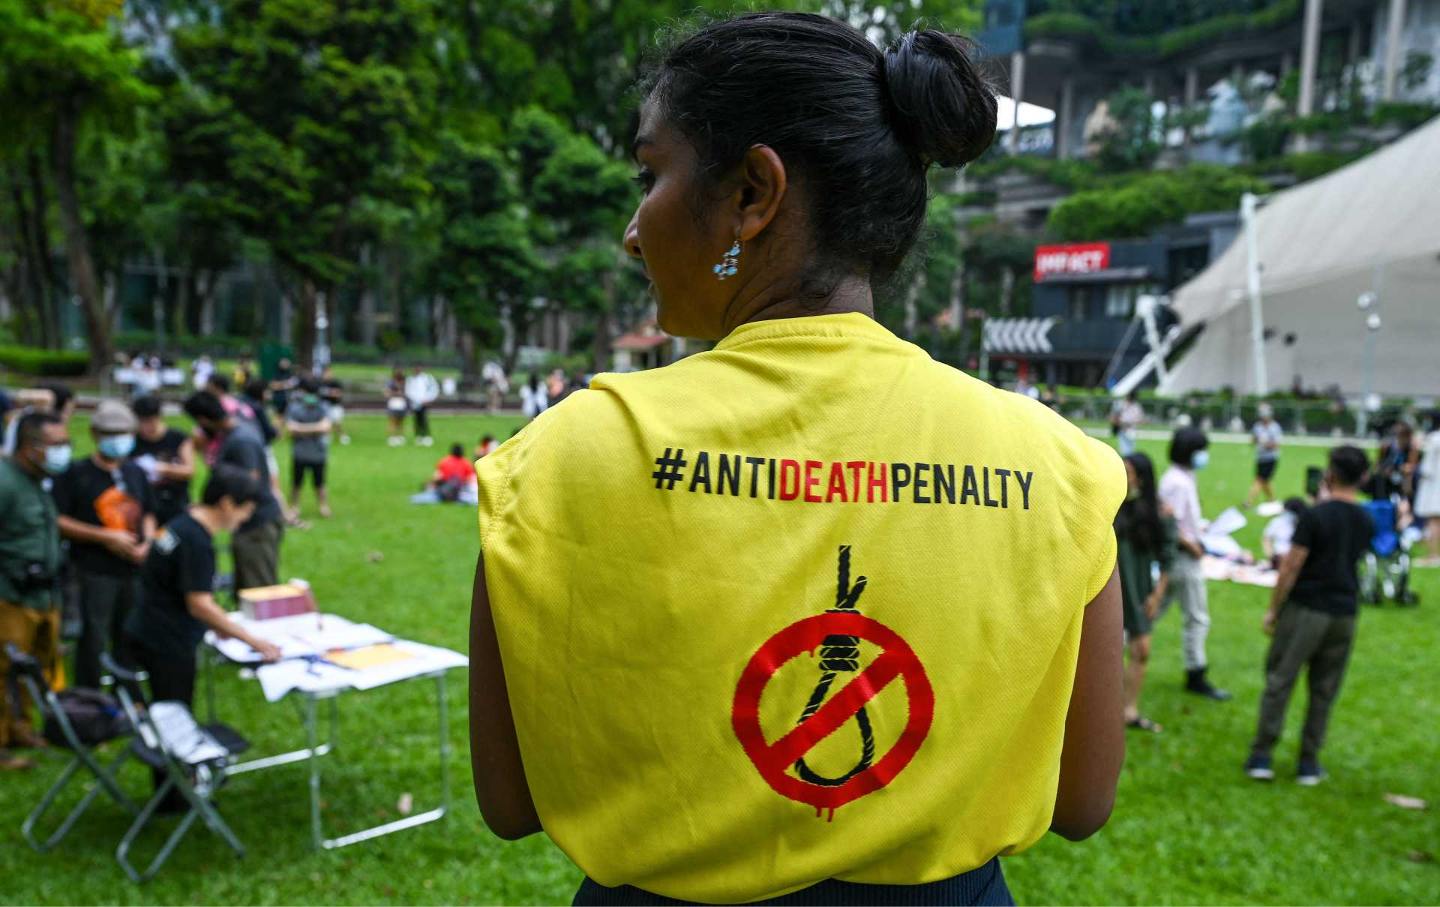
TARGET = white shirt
(1281,531)
(422,389)
(1178,492)
(1267,433)
(533,402)
(1131,415)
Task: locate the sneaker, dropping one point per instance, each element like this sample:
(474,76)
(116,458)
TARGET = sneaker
(1258,768)
(1309,773)
(1196,682)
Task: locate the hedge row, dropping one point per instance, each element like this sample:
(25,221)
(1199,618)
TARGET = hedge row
(44,363)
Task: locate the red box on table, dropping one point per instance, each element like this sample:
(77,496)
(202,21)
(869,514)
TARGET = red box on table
(284,600)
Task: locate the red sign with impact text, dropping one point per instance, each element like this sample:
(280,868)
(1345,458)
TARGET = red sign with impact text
(1074,258)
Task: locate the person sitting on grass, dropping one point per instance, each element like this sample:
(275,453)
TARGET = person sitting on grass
(453,481)
(1280,531)
(1312,616)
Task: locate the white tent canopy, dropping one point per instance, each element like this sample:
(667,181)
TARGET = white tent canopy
(1373,226)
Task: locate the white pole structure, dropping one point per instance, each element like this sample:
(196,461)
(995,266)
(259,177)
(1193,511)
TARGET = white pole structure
(1248,204)
(1309,62)
(1369,304)
(1017,93)
(1396,25)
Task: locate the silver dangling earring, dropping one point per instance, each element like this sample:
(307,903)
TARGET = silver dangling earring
(729,266)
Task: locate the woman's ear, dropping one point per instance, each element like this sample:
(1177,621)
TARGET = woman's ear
(763,183)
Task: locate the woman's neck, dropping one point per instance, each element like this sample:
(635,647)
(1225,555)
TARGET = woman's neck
(851,294)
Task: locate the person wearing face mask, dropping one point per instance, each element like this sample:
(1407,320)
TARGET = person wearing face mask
(1189,453)
(30,566)
(256,544)
(107,511)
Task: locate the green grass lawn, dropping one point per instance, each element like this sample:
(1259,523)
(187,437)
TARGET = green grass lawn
(1189,828)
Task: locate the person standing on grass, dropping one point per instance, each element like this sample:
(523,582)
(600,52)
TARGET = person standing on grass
(1145,536)
(642,597)
(1265,434)
(107,512)
(30,564)
(1179,494)
(1128,418)
(396,406)
(496,385)
(533,397)
(256,544)
(486,446)
(1427,490)
(309,432)
(333,393)
(1312,616)
(280,387)
(421,390)
(167,455)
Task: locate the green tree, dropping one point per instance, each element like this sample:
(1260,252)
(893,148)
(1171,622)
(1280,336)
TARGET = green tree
(65,75)
(298,111)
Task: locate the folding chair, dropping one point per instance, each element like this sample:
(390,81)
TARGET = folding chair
(193,759)
(25,670)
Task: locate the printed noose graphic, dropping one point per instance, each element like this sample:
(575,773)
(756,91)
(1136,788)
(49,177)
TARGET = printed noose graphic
(840,655)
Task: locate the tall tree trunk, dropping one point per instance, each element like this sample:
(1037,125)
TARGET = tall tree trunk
(77,244)
(367,299)
(44,258)
(469,368)
(180,323)
(30,224)
(206,285)
(305,337)
(159,299)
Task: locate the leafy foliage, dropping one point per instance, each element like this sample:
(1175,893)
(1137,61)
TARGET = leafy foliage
(1138,206)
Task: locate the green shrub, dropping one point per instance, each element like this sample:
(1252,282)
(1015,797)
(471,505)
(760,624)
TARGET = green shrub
(43,363)
(1137,205)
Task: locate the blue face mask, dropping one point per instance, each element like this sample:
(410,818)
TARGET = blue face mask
(1200,460)
(116,447)
(57,459)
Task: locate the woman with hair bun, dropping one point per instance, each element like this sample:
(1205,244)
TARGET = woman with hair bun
(808,616)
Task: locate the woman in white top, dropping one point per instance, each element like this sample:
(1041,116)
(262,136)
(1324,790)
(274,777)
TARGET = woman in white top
(1427,496)
(533,397)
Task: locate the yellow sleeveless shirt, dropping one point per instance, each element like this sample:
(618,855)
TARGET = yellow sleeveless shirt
(804,606)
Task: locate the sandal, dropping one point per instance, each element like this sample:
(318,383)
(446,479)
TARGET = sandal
(1141,723)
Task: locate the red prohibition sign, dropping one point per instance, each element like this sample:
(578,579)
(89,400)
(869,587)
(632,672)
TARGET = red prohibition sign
(774,759)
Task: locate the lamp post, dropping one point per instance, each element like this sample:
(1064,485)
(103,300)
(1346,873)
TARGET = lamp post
(1368,303)
(320,356)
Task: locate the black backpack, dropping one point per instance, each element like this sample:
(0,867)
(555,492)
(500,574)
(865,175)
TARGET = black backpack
(95,716)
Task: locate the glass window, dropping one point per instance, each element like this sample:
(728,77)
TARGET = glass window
(1120,300)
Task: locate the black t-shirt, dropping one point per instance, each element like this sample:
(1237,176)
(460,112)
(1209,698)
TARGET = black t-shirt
(332,392)
(181,561)
(114,499)
(1336,533)
(242,447)
(171,497)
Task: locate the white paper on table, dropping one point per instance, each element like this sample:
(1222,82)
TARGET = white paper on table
(426,660)
(299,635)
(298,674)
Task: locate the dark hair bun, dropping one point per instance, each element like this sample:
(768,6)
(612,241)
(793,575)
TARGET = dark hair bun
(944,108)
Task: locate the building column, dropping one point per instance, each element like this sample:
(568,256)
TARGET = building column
(1192,95)
(1064,118)
(1393,32)
(1287,63)
(1017,92)
(1309,56)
